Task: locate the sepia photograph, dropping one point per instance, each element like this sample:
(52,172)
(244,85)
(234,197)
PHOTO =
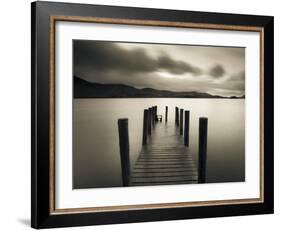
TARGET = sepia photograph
(147,114)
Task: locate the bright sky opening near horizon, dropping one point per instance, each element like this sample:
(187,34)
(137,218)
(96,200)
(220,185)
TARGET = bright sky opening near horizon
(209,69)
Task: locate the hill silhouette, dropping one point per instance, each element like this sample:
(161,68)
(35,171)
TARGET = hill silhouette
(85,89)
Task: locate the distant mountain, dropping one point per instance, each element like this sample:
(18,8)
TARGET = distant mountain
(85,89)
(235,97)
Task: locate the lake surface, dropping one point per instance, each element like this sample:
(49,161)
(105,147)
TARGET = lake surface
(96,157)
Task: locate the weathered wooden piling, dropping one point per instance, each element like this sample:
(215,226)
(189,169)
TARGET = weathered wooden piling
(186,128)
(153,116)
(202,158)
(155,113)
(149,121)
(181,121)
(166,114)
(124,149)
(177,116)
(145,127)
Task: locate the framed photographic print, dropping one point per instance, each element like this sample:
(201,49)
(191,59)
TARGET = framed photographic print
(146,114)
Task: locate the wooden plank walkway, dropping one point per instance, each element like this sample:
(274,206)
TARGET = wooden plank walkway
(164,159)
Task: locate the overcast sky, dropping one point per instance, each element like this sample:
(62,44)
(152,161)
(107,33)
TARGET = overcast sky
(214,70)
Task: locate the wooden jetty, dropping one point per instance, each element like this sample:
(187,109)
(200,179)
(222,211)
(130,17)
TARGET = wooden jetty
(165,158)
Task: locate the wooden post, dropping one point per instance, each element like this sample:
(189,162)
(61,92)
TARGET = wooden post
(149,121)
(145,127)
(186,128)
(153,116)
(166,114)
(177,116)
(202,158)
(181,121)
(124,149)
(155,113)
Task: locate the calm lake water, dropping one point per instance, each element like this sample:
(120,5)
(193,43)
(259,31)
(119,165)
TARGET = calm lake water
(96,158)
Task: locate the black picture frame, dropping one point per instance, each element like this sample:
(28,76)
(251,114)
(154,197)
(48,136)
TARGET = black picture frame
(44,14)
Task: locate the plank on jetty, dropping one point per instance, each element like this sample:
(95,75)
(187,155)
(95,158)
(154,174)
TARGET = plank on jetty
(164,160)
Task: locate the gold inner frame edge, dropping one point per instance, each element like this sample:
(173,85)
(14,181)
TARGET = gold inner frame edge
(53,19)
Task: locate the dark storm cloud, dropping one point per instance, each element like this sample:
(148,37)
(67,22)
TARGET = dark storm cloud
(97,57)
(176,67)
(108,56)
(217,71)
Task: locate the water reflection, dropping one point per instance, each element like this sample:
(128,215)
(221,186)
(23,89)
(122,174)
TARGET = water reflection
(96,160)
